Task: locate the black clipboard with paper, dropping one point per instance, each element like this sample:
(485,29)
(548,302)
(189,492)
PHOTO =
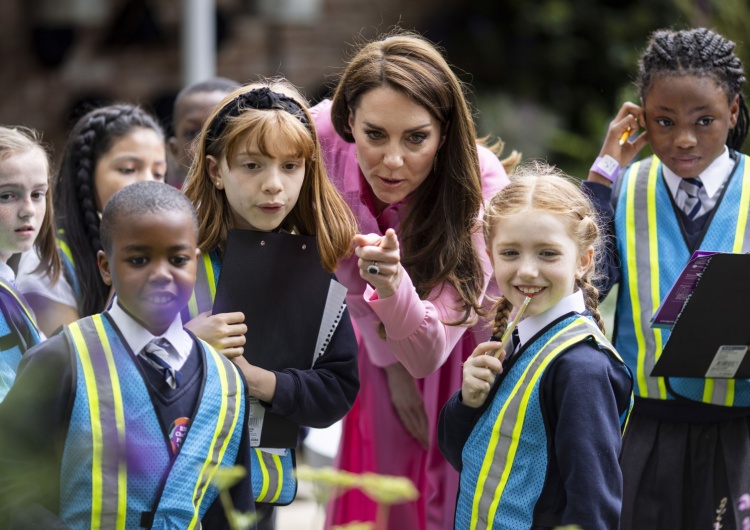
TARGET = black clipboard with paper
(278,282)
(710,337)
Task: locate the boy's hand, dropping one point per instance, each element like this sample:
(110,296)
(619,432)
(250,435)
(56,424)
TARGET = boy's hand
(382,251)
(480,371)
(225,331)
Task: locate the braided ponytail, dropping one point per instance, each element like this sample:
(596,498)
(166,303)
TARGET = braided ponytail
(75,194)
(591,297)
(699,52)
(502,315)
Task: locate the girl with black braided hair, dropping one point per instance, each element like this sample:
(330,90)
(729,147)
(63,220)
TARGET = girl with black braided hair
(108,148)
(687,447)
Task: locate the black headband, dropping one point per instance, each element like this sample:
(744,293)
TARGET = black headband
(260,98)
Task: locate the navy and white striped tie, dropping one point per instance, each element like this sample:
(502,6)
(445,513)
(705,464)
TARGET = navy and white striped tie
(690,197)
(156,354)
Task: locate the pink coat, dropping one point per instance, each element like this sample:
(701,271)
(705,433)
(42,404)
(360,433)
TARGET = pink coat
(374,439)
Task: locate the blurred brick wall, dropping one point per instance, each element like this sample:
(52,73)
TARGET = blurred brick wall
(42,97)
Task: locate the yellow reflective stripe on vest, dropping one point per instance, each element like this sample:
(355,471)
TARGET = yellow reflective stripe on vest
(722,391)
(503,444)
(643,254)
(62,244)
(271,469)
(225,426)
(741,235)
(108,497)
(66,250)
(26,309)
(204,292)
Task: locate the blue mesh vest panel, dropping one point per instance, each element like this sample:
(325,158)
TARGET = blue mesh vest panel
(653,252)
(505,457)
(114,460)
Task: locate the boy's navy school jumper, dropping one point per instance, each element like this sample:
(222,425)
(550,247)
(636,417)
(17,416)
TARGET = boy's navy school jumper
(87,442)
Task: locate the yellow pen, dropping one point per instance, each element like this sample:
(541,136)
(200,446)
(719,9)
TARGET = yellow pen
(625,136)
(512,326)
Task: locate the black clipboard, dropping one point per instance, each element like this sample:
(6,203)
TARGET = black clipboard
(710,337)
(278,282)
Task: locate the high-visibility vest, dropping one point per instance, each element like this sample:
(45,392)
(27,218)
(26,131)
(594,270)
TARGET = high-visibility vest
(68,263)
(653,252)
(117,468)
(14,312)
(273,475)
(505,457)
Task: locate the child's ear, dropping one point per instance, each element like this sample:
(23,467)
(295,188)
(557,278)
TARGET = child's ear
(734,112)
(489,254)
(585,263)
(212,166)
(173,148)
(103,261)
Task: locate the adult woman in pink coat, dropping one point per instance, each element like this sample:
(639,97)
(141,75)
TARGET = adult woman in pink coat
(400,145)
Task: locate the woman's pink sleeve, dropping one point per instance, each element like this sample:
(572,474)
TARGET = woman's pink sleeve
(418,335)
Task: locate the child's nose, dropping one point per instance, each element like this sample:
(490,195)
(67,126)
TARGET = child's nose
(27,208)
(528,268)
(272,183)
(161,271)
(686,138)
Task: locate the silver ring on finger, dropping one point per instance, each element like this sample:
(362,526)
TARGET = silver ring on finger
(373,268)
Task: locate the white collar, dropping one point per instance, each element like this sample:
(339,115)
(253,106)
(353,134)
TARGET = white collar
(137,336)
(532,324)
(712,178)
(7,273)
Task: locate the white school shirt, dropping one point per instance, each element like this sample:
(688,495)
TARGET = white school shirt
(713,177)
(38,283)
(137,336)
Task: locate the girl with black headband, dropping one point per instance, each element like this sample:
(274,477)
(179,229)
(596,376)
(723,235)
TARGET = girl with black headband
(258,166)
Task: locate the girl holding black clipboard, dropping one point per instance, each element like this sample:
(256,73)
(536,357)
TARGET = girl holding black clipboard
(258,166)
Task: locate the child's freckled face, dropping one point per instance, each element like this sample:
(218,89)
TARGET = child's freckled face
(533,255)
(153,266)
(688,119)
(23,190)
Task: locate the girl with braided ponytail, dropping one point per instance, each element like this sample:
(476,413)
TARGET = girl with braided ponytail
(108,148)
(687,450)
(558,392)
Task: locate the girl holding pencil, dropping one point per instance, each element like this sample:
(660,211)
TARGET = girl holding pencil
(535,430)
